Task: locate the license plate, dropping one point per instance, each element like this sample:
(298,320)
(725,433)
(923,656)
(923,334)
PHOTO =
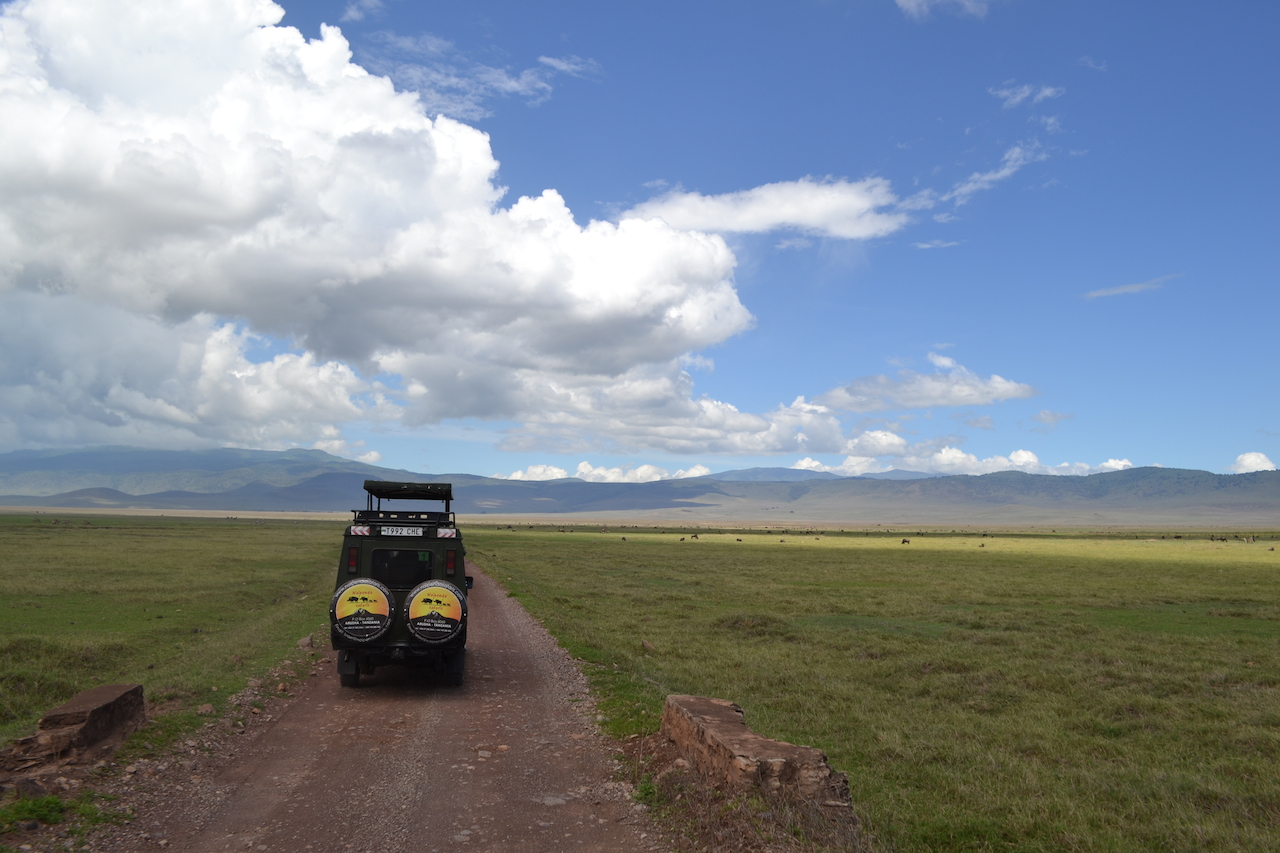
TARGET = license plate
(402,531)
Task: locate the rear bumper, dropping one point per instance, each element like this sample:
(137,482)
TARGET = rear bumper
(353,658)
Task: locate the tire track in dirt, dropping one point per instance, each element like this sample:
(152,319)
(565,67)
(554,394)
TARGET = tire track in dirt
(510,761)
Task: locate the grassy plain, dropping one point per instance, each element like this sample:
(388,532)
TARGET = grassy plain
(1017,692)
(182,606)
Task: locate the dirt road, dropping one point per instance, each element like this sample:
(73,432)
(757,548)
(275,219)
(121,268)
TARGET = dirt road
(508,762)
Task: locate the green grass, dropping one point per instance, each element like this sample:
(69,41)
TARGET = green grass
(189,608)
(81,813)
(1041,692)
(47,810)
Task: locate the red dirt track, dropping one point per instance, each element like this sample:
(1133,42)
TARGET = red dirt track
(510,761)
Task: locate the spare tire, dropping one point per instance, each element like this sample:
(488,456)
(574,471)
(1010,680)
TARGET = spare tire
(361,610)
(436,612)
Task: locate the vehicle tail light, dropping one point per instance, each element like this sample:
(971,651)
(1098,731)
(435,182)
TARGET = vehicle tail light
(353,559)
(450,563)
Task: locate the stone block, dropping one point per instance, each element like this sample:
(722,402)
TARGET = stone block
(713,735)
(91,717)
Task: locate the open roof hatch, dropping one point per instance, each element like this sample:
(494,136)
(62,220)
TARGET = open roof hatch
(385,489)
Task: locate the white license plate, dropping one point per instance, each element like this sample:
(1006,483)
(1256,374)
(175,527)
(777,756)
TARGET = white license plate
(402,531)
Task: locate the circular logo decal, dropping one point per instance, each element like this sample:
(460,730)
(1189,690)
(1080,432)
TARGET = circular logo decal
(361,610)
(435,611)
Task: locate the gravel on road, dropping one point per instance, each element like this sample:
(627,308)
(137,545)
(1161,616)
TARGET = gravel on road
(510,761)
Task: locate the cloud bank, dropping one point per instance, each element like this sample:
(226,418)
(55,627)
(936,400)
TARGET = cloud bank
(948,460)
(601,474)
(181,163)
(216,231)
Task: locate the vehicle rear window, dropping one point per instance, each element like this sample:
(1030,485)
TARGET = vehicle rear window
(401,569)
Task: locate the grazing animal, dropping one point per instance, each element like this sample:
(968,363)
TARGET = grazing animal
(739,540)
(906,541)
(624,539)
(982,545)
(681,538)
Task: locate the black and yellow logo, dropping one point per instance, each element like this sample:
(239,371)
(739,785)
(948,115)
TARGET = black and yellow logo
(361,610)
(435,611)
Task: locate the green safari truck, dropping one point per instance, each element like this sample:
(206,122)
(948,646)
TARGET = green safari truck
(400,596)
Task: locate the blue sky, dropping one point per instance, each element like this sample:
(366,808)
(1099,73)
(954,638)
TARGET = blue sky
(971,236)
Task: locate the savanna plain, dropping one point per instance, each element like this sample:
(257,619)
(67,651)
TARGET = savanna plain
(1026,690)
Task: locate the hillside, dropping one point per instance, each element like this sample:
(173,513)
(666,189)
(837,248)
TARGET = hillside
(136,471)
(313,481)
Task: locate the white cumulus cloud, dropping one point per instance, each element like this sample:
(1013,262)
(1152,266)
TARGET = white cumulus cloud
(952,460)
(1247,463)
(852,466)
(857,210)
(952,385)
(645,473)
(639,474)
(654,409)
(195,160)
(186,189)
(949,460)
(77,373)
(877,442)
(536,472)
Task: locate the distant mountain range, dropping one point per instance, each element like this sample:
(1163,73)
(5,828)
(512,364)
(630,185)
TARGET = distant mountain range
(137,471)
(314,481)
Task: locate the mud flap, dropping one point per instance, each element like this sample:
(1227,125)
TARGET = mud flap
(455,665)
(348,662)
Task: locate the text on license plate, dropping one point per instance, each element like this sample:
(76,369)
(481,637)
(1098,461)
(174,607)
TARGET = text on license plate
(402,531)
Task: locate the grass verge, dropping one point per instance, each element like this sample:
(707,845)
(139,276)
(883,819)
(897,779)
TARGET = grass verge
(1015,692)
(189,608)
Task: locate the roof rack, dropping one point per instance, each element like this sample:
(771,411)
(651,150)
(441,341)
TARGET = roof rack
(388,490)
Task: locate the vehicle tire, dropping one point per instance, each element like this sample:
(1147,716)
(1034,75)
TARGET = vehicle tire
(361,610)
(435,613)
(349,679)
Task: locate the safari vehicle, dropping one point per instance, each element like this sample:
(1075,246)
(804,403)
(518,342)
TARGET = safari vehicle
(400,594)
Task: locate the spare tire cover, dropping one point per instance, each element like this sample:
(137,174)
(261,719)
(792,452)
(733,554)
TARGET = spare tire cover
(435,611)
(361,610)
